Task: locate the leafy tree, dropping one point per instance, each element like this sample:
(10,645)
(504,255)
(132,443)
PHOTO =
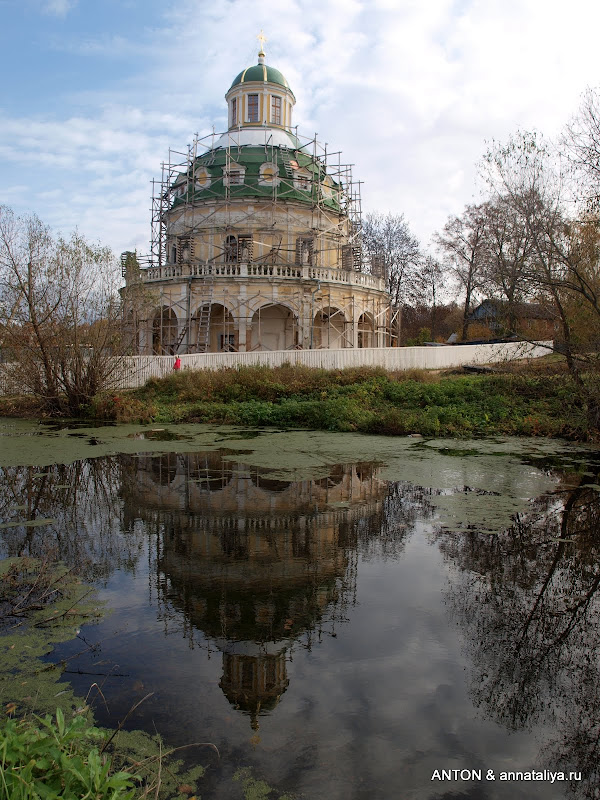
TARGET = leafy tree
(60,314)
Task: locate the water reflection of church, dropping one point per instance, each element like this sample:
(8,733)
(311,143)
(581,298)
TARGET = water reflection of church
(257,564)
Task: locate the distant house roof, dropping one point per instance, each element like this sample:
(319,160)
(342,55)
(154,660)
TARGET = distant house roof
(494,309)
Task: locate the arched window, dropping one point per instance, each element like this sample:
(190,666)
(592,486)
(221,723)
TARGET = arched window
(164,331)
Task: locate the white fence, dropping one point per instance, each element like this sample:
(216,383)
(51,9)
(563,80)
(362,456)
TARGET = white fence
(134,371)
(138,369)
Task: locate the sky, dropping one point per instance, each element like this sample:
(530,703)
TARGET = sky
(412,92)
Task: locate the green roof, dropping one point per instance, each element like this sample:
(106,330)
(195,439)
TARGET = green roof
(262,74)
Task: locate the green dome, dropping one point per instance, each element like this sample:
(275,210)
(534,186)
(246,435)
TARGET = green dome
(250,159)
(261,73)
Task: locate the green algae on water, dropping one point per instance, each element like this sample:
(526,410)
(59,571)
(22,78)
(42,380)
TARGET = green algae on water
(256,789)
(40,607)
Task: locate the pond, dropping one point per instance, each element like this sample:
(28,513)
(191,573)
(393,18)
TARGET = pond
(348,616)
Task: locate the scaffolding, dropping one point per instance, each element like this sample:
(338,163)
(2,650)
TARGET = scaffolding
(179,181)
(195,250)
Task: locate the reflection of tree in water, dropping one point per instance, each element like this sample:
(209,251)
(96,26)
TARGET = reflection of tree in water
(529,599)
(385,534)
(80,502)
(260,564)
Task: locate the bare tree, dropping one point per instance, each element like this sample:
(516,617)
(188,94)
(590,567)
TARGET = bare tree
(392,249)
(581,143)
(510,252)
(60,316)
(429,287)
(463,246)
(564,269)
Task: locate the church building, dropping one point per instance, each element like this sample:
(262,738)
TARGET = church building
(256,241)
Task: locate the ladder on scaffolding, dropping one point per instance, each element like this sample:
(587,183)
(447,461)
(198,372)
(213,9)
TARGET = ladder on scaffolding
(287,164)
(180,339)
(203,328)
(202,342)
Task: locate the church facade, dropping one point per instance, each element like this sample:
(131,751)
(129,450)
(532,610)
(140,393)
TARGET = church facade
(256,241)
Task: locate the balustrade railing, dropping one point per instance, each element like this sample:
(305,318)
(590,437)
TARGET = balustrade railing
(256,270)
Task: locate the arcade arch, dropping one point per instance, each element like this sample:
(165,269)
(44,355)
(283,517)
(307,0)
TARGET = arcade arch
(213,330)
(164,332)
(366,330)
(273,327)
(329,328)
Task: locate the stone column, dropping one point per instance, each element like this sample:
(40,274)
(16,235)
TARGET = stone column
(242,321)
(242,331)
(305,321)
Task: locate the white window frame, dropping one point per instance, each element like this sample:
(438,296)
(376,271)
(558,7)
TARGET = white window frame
(276,109)
(235,176)
(302,181)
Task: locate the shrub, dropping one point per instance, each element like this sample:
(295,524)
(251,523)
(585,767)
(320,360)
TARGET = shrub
(122,408)
(53,758)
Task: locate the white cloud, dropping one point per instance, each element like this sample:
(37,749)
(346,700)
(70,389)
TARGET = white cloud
(409,91)
(59,8)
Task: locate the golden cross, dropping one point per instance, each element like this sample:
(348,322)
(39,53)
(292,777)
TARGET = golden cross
(262,39)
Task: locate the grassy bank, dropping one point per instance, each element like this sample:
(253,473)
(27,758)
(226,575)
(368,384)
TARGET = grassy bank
(536,399)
